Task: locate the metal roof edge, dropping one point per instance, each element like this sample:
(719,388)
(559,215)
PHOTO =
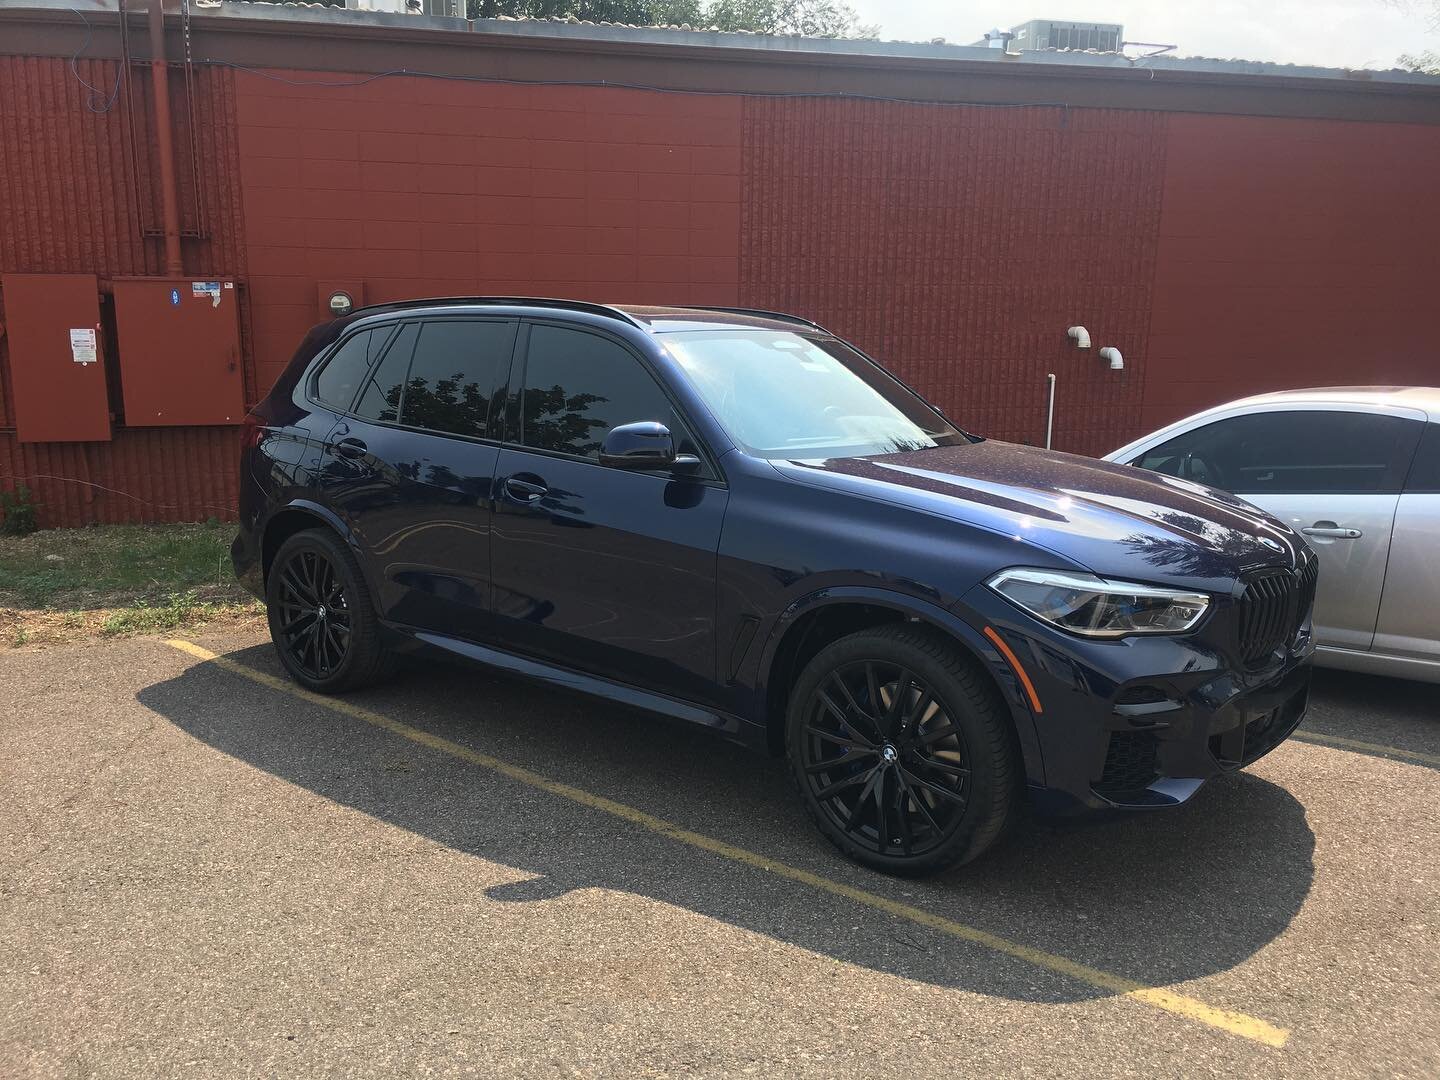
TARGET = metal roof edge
(789,46)
(293,37)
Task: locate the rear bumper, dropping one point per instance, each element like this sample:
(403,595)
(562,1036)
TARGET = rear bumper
(245,553)
(245,558)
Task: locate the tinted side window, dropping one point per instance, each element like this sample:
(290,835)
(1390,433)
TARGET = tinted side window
(579,385)
(457,367)
(342,374)
(1425,472)
(383,390)
(1292,453)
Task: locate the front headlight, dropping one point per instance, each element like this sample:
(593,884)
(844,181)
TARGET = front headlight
(1089,605)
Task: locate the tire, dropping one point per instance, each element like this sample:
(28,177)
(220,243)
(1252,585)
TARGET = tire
(938,758)
(339,648)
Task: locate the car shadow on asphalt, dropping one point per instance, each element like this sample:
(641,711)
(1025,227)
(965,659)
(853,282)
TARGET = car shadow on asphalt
(1157,898)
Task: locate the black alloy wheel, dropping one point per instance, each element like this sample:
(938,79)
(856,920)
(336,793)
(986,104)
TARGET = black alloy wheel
(314,615)
(901,750)
(321,619)
(883,758)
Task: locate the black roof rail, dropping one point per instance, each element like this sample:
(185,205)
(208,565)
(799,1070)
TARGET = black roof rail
(761,313)
(504,301)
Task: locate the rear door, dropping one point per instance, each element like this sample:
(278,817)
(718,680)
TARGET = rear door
(303,450)
(411,467)
(608,570)
(1409,623)
(1333,475)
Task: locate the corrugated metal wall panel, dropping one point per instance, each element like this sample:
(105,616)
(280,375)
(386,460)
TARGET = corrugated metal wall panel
(175,474)
(69,207)
(63,187)
(957,244)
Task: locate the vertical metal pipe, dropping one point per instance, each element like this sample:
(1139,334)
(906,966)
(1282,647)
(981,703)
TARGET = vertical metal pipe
(165,140)
(1050,410)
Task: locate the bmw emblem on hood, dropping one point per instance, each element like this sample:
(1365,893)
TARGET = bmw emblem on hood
(1272,544)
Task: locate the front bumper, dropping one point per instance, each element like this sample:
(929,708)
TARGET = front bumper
(1161,758)
(1142,723)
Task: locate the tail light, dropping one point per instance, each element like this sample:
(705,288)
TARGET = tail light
(250,432)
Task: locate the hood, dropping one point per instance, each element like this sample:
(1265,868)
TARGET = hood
(1113,520)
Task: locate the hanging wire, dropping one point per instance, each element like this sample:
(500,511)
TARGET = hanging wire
(95,94)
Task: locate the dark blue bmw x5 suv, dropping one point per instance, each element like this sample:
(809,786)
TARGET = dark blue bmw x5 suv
(735,519)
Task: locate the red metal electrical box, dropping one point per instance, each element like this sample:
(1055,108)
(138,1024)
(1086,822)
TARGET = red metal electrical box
(179,349)
(57,358)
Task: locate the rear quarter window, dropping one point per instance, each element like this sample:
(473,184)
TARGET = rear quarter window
(1425,471)
(341,375)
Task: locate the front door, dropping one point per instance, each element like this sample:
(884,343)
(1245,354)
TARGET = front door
(604,569)
(1332,475)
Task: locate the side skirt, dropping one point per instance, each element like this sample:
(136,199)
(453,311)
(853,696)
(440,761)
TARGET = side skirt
(1369,663)
(729,726)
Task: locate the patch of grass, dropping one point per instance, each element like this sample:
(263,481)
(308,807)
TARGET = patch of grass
(145,617)
(117,565)
(109,581)
(17,511)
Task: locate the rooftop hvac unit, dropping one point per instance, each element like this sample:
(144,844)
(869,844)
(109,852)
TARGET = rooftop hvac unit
(452,8)
(1050,34)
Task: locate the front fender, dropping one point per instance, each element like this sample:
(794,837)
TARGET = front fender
(965,628)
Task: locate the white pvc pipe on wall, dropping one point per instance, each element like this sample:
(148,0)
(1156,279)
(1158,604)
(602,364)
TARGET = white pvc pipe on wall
(1050,410)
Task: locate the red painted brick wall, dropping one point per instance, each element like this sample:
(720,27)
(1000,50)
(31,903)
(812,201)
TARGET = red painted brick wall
(1222,255)
(426,187)
(1292,253)
(957,245)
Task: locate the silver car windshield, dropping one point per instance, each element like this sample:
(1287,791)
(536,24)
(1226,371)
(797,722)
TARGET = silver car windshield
(783,395)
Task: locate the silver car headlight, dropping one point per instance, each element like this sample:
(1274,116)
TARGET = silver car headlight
(1092,606)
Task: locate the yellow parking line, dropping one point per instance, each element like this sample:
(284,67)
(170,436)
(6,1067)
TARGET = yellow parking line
(1235,1023)
(1366,747)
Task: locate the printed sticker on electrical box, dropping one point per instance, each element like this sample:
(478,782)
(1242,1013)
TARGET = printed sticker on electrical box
(82,346)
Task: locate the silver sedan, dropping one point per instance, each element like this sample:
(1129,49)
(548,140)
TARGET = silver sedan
(1357,470)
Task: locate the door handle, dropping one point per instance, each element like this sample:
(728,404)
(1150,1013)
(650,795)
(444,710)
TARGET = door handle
(350,448)
(523,491)
(1333,531)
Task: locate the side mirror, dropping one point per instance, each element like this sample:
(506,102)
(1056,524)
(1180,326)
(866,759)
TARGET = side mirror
(646,444)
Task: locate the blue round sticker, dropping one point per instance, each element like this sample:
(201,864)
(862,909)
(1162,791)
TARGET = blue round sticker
(174,296)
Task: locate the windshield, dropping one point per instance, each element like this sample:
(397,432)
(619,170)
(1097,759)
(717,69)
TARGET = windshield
(781,395)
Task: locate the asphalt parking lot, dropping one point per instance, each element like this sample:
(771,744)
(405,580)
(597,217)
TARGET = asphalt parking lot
(209,874)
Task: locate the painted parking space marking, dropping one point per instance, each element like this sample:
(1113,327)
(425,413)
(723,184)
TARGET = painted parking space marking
(1235,1023)
(1379,749)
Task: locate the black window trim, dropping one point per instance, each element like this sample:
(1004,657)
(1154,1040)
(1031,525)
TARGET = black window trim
(502,373)
(710,472)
